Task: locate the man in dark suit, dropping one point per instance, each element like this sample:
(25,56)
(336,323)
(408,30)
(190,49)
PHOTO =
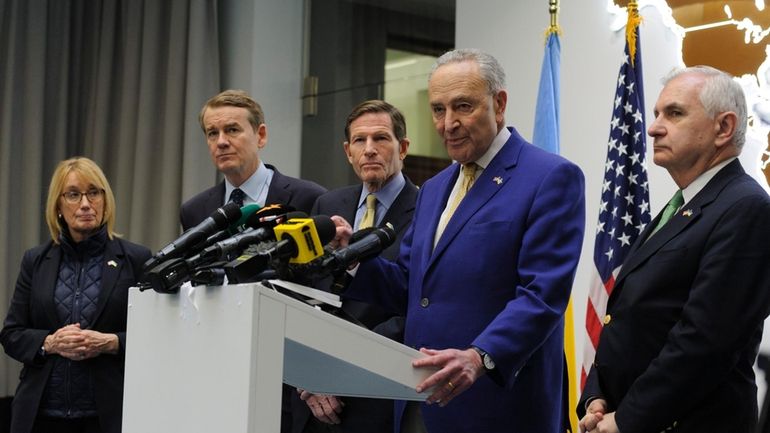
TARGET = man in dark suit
(376,146)
(685,318)
(484,272)
(235,129)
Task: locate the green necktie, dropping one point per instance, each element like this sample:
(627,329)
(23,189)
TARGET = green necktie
(670,210)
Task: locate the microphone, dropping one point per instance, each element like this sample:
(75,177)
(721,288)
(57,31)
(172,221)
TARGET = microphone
(366,243)
(236,227)
(366,247)
(259,229)
(169,275)
(218,220)
(300,240)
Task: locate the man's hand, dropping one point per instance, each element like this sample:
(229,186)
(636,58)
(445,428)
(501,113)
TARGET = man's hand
(326,408)
(594,414)
(458,370)
(342,234)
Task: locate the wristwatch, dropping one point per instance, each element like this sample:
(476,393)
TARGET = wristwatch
(486,360)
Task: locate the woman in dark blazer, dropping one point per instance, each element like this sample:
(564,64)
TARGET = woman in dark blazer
(67,318)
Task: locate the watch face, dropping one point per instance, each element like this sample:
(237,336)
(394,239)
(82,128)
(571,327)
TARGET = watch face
(488,363)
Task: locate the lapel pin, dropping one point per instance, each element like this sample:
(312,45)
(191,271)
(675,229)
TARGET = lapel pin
(498,180)
(112,263)
(687,213)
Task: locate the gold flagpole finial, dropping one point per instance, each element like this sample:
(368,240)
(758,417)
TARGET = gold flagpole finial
(553,10)
(631,25)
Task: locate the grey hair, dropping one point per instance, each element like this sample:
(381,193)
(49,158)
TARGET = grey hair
(489,67)
(720,93)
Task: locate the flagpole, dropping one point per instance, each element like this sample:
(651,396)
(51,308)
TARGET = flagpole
(553,10)
(550,141)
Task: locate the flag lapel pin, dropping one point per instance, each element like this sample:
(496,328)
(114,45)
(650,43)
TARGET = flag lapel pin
(687,213)
(112,263)
(498,180)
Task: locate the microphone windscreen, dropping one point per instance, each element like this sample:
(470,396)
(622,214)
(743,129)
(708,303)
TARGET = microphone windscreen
(246,212)
(225,215)
(325,228)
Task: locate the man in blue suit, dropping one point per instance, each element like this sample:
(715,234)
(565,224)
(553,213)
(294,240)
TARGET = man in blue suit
(684,320)
(485,271)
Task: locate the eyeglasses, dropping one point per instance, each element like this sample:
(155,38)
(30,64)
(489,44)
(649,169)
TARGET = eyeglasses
(74,197)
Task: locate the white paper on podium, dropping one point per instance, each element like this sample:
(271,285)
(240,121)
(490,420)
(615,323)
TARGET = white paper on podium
(309,292)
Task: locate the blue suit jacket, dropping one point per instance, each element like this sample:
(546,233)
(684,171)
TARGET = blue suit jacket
(499,278)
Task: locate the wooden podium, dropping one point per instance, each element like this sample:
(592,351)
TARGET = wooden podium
(210,359)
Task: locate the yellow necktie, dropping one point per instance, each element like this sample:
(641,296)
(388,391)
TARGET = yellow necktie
(469,176)
(371,206)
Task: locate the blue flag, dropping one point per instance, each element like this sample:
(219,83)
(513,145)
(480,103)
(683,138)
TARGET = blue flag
(546,133)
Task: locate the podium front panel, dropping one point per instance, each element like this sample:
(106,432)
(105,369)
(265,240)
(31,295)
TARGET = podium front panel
(213,359)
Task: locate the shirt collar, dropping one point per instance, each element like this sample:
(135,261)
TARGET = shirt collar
(700,182)
(500,139)
(387,195)
(252,186)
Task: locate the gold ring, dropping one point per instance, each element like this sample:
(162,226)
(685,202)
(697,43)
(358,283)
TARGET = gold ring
(450,384)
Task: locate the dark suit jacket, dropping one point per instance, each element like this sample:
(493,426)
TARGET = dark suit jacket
(686,316)
(361,414)
(32,316)
(297,193)
(499,278)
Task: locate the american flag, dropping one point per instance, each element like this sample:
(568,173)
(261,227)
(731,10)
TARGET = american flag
(624,210)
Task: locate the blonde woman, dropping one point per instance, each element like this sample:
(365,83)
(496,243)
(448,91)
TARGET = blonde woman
(67,318)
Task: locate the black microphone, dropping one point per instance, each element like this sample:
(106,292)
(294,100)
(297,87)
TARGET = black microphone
(169,275)
(366,247)
(260,229)
(234,228)
(365,243)
(218,220)
(299,240)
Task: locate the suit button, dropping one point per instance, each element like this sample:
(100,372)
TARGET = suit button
(607,319)
(596,364)
(424,302)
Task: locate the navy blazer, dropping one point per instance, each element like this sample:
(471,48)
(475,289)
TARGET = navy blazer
(360,414)
(297,193)
(32,316)
(686,315)
(499,278)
